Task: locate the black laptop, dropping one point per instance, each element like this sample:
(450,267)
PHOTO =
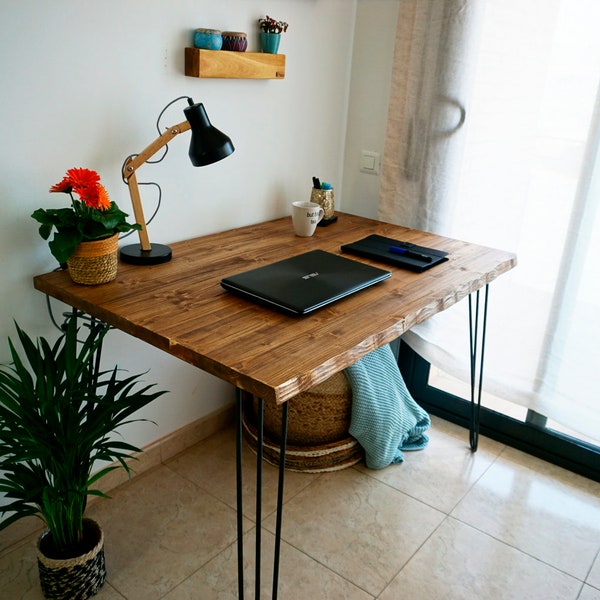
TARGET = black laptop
(303,283)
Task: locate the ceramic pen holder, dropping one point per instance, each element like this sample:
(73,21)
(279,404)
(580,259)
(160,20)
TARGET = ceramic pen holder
(324,198)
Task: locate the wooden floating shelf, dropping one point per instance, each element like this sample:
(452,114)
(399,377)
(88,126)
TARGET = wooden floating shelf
(233,65)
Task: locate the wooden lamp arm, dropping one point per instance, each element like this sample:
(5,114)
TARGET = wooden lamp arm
(133,163)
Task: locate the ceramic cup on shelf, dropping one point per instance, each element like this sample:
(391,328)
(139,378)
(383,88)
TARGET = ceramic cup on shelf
(305,216)
(208,39)
(235,41)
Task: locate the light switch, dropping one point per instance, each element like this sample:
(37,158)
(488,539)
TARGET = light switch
(369,162)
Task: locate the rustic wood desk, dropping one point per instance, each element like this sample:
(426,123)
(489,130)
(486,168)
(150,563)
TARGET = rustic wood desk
(181,308)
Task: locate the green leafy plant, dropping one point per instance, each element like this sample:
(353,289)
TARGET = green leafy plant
(269,25)
(57,414)
(92,216)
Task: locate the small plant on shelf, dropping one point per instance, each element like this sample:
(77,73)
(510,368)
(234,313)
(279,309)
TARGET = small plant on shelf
(269,25)
(270,34)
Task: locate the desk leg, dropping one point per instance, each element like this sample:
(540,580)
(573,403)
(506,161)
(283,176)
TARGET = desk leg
(259,466)
(476,377)
(284,424)
(240,397)
(239,488)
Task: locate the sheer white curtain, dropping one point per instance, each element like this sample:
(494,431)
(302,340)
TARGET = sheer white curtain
(493,137)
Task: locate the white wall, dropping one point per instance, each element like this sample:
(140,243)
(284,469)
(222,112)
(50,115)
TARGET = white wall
(82,85)
(369,91)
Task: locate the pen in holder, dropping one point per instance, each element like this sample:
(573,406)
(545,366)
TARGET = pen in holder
(324,198)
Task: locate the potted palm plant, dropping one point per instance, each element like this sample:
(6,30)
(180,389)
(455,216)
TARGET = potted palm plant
(57,414)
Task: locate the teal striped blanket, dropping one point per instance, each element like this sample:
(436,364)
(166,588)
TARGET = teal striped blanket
(385,418)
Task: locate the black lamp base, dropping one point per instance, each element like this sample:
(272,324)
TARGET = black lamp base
(134,254)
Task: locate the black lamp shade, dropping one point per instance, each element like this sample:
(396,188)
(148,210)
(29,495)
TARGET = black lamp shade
(208,144)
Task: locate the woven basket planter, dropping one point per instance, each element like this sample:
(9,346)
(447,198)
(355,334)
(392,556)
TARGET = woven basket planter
(95,262)
(79,577)
(318,422)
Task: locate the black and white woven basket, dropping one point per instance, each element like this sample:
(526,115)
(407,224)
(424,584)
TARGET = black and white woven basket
(73,578)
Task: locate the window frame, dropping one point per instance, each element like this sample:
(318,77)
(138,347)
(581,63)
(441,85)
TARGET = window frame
(531,437)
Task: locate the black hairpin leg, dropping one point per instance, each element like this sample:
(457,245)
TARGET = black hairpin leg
(240,513)
(475,338)
(259,461)
(284,424)
(240,397)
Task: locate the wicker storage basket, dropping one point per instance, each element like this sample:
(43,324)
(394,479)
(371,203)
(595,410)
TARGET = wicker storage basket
(318,422)
(95,262)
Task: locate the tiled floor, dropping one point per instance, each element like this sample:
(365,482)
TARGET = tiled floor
(445,524)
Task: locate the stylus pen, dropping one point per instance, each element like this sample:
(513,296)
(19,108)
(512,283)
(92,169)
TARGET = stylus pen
(411,254)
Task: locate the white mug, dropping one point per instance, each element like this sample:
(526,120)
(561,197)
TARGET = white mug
(305,216)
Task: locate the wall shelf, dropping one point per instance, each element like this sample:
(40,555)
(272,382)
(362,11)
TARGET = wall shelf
(233,65)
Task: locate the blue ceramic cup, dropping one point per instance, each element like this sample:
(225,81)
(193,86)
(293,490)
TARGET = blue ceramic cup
(208,39)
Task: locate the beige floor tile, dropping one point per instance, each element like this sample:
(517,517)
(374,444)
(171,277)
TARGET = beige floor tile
(594,576)
(459,562)
(356,526)
(18,532)
(545,511)
(19,573)
(443,472)
(160,528)
(211,465)
(523,529)
(300,577)
(589,593)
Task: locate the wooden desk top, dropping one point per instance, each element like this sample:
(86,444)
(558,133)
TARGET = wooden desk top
(181,308)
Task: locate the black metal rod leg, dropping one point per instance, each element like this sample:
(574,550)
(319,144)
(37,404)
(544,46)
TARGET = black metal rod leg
(240,512)
(475,339)
(283,445)
(259,468)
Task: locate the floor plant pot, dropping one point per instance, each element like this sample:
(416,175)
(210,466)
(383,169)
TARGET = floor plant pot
(269,42)
(73,578)
(95,262)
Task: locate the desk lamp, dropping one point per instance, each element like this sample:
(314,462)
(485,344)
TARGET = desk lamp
(208,145)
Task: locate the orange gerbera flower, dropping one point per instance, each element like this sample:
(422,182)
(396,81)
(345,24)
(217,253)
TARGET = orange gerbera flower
(62,186)
(85,183)
(83,178)
(103,198)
